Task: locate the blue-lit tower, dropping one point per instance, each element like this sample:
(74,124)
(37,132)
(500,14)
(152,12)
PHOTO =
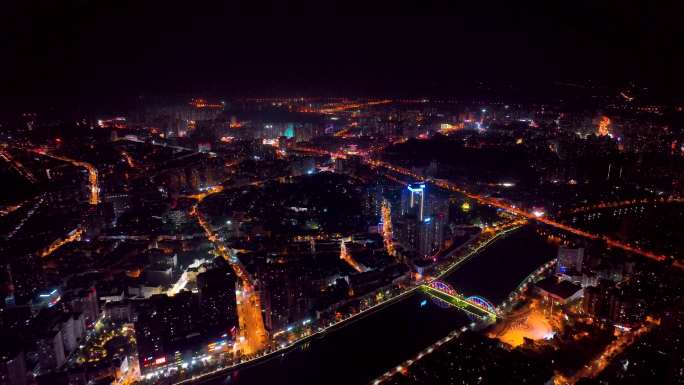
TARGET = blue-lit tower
(416,201)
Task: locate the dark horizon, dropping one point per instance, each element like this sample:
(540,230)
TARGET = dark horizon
(88,53)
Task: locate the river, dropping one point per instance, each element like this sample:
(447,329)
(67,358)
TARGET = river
(360,351)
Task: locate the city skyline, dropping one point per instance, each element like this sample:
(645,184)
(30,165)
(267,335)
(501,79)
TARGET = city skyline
(341,193)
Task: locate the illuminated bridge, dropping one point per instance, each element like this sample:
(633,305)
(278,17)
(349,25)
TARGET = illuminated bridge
(474,305)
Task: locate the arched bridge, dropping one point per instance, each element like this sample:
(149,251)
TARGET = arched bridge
(474,305)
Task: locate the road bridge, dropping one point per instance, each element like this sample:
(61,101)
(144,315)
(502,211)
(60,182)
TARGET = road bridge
(473,305)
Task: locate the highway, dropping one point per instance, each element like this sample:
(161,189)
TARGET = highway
(450,186)
(340,107)
(499,203)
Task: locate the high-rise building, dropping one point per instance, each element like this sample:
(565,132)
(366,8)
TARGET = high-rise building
(85,301)
(50,351)
(424,220)
(594,302)
(217,299)
(373,200)
(415,200)
(12,368)
(166,325)
(439,220)
(283,297)
(182,120)
(68,334)
(408,232)
(569,261)
(426,236)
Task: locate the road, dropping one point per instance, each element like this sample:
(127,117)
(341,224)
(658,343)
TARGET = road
(460,302)
(16,165)
(374,330)
(450,186)
(626,203)
(92,174)
(340,107)
(252,335)
(74,235)
(346,256)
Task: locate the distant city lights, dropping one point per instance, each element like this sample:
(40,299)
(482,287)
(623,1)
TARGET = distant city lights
(538,213)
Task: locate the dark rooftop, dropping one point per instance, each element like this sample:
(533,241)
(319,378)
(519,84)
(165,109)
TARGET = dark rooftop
(562,289)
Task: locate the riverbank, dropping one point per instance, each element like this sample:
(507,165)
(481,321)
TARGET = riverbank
(284,349)
(363,349)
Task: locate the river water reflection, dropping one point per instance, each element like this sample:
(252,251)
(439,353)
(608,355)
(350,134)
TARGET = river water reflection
(364,349)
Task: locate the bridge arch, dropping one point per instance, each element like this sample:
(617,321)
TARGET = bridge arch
(481,301)
(475,299)
(442,286)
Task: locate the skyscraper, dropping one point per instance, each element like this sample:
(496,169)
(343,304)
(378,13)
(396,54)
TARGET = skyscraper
(569,260)
(415,200)
(423,220)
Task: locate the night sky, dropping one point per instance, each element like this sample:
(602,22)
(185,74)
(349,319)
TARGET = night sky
(107,51)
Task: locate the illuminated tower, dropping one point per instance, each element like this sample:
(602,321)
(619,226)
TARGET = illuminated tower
(416,200)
